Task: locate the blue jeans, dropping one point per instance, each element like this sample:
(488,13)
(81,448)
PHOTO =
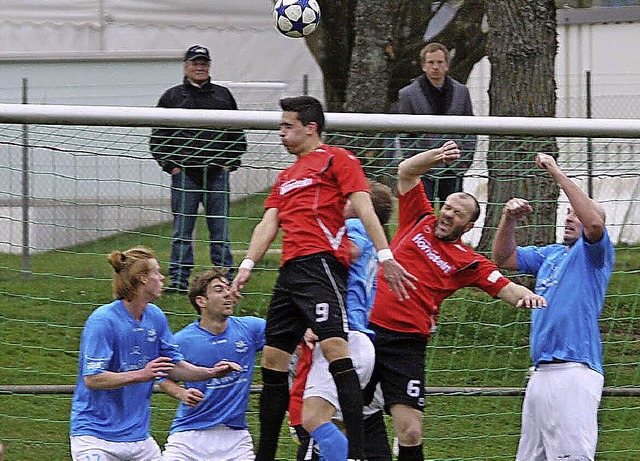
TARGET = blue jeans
(186,196)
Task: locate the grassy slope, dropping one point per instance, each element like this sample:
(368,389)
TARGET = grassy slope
(480,342)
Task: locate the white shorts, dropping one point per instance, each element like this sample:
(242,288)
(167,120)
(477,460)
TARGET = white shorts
(320,382)
(560,413)
(216,443)
(377,403)
(89,448)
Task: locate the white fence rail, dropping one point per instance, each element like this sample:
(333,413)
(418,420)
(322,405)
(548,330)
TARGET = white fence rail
(134,189)
(269,120)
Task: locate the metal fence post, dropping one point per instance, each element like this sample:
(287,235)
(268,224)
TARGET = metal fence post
(26,258)
(589,140)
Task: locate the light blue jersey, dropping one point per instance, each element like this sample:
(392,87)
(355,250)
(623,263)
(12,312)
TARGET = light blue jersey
(361,286)
(112,340)
(225,399)
(574,282)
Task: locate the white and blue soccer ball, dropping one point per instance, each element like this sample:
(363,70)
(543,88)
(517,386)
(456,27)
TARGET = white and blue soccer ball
(296,18)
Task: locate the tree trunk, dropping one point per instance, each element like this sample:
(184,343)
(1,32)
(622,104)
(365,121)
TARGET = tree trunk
(521,47)
(334,43)
(331,45)
(411,19)
(369,71)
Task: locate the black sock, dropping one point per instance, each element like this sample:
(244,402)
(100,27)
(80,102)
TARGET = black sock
(274,401)
(413,453)
(376,447)
(350,399)
(306,451)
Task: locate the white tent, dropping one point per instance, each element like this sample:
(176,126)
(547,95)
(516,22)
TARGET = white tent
(126,53)
(117,52)
(157,30)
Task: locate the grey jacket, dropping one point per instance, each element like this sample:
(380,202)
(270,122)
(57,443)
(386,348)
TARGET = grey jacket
(413,100)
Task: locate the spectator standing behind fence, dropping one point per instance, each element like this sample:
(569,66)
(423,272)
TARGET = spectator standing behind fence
(559,413)
(125,346)
(435,93)
(199,162)
(307,201)
(210,422)
(431,245)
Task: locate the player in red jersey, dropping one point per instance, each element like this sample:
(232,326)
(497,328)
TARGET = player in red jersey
(431,245)
(307,202)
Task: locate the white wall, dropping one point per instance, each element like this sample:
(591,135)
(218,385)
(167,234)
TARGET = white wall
(50,38)
(117,52)
(608,51)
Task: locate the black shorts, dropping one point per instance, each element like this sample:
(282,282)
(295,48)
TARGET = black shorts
(309,293)
(399,367)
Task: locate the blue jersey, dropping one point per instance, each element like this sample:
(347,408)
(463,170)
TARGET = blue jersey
(112,340)
(225,399)
(574,282)
(361,286)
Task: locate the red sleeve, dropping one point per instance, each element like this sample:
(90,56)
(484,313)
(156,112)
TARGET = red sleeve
(273,200)
(348,172)
(488,278)
(412,206)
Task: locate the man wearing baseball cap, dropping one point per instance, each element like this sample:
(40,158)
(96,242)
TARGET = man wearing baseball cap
(197,51)
(199,162)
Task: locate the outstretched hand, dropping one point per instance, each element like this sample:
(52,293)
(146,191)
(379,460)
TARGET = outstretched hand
(223,368)
(398,278)
(157,368)
(240,280)
(532,301)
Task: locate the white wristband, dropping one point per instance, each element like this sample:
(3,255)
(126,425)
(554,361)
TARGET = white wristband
(247,263)
(384,255)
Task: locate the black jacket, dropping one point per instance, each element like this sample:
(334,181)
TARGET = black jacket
(198,151)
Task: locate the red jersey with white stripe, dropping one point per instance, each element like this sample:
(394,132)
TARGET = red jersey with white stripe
(310,197)
(441,267)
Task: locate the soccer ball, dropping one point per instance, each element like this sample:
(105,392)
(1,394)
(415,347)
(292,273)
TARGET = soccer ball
(296,18)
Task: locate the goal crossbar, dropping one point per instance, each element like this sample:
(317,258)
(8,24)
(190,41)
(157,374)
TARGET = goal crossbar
(269,120)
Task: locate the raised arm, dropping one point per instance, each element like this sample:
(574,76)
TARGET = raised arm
(504,243)
(263,235)
(399,279)
(410,169)
(589,212)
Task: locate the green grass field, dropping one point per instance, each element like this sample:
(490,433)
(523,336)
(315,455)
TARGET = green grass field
(480,342)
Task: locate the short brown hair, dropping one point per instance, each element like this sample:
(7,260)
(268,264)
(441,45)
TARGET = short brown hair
(308,108)
(129,266)
(382,199)
(432,48)
(200,283)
